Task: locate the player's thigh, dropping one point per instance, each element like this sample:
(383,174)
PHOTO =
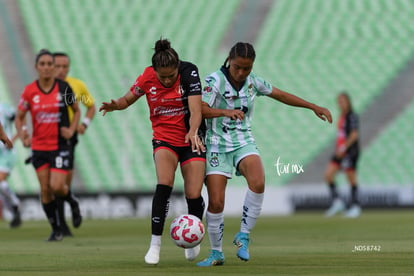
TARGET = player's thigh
(331,170)
(251,168)
(166,161)
(193,173)
(43,175)
(58,181)
(216,189)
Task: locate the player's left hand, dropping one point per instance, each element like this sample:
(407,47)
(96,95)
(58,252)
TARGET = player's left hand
(323,113)
(66,132)
(196,143)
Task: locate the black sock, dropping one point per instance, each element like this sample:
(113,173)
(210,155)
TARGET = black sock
(52,214)
(333,191)
(160,204)
(60,206)
(354,194)
(196,207)
(69,197)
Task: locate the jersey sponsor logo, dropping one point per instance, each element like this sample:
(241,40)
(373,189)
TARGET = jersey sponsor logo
(169,111)
(47,118)
(194,73)
(153,90)
(36,99)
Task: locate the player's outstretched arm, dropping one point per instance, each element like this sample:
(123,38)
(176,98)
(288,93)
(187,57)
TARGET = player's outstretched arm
(119,104)
(290,99)
(209,112)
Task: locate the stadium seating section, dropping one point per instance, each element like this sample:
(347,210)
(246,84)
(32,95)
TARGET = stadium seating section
(314,49)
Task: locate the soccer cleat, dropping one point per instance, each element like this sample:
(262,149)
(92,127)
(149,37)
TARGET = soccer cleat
(76,215)
(353,212)
(55,236)
(241,240)
(192,253)
(16,221)
(153,255)
(66,231)
(216,258)
(336,207)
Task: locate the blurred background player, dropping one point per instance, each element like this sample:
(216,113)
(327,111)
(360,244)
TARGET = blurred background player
(173,91)
(47,99)
(7,162)
(62,65)
(345,158)
(228,100)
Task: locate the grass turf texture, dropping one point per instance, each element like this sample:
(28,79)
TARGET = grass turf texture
(302,244)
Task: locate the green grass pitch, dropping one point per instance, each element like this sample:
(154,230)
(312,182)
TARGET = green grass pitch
(377,243)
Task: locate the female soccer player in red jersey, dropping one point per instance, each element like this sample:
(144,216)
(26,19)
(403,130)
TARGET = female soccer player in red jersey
(47,99)
(345,158)
(173,91)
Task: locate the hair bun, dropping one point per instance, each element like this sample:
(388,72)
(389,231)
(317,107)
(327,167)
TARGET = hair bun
(162,45)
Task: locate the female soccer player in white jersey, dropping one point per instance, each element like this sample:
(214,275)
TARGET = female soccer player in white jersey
(228,99)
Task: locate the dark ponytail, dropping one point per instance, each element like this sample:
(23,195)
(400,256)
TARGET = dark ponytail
(241,49)
(164,55)
(43,52)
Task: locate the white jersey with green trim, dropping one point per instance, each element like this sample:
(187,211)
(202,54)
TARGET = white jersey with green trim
(223,133)
(7,115)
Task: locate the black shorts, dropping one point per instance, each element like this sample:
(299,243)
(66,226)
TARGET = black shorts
(56,160)
(184,154)
(348,162)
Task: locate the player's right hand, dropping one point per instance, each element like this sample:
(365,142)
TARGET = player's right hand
(235,114)
(108,107)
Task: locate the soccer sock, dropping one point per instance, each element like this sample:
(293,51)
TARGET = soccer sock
(354,194)
(52,214)
(160,205)
(215,229)
(60,206)
(196,207)
(251,210)
(333,191)
(69,197)
(8,194)
(155,240)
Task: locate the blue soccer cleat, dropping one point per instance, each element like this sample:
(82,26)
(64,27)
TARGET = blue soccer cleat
(241,240)
(216,258)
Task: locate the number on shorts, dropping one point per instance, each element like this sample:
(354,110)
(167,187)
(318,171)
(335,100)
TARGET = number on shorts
(59,162)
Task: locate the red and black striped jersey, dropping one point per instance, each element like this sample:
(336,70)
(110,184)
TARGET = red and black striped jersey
(168,106)
(49,112)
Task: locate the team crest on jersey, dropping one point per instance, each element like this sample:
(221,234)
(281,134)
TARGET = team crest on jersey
(250,89)
(180,90)
(207,89)
(214,161)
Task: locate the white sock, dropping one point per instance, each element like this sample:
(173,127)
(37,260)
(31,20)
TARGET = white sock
(251,210)
(215,229)
(8,194)
(155,240)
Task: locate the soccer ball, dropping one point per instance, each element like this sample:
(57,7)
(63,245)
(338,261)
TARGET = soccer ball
(187,231)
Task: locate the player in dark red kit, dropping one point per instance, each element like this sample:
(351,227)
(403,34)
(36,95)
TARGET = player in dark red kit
(47,100)
(173,91)
(345,158)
